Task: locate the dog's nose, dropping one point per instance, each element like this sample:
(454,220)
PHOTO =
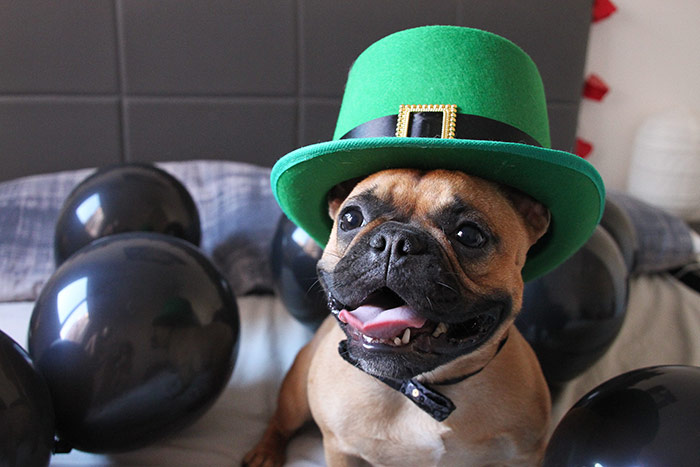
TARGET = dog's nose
(398,241)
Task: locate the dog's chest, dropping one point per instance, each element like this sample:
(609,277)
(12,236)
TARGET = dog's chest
(384,431)
(368,419)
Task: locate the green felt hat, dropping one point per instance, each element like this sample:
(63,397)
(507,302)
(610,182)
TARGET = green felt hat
(453,98)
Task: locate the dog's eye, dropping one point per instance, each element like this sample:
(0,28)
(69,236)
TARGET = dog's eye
(470,235)
(351,219)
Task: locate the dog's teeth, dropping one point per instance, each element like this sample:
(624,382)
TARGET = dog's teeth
(397,340)
(406,336)
(371,340)
(440,329)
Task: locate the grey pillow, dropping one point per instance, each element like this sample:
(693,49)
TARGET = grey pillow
(237,211)
(663,241)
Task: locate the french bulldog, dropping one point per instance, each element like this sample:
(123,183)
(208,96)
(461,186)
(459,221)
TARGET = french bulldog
(419,362)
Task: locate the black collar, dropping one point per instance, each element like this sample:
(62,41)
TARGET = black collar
(432,402)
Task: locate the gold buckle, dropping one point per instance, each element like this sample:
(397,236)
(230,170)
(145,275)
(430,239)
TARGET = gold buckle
(449,118)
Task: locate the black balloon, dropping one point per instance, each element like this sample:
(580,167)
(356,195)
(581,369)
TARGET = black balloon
(619,225)
(571,315)
(26,412)
(125,198)
(137,335)
(294,258)
(648,417)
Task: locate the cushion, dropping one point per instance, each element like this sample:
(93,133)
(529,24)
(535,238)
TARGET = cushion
(237,212)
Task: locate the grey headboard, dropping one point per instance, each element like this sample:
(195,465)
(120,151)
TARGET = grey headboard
(85,83)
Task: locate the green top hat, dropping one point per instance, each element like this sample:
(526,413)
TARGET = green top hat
(453,98)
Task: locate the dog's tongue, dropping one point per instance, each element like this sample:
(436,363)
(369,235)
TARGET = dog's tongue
(381,323)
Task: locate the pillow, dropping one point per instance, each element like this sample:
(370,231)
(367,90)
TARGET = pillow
(237,211)
(29,208)
(663,240)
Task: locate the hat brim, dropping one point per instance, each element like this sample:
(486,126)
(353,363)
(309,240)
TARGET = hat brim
(569,186)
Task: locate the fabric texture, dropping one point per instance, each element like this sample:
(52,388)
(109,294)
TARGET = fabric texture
(238,216)
(663,240)
(481,74)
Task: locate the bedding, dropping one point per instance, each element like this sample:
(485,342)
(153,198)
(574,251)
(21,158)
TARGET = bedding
(239,216)
(662,327)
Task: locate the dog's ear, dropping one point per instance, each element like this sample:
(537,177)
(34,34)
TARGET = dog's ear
(534,213)
(337,195)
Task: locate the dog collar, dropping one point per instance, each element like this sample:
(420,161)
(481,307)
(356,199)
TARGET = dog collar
(430,401)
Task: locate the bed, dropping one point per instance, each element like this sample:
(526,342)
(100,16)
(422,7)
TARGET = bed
(239,217)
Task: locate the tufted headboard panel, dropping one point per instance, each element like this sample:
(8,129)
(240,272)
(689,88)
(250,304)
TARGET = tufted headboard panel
(85,83)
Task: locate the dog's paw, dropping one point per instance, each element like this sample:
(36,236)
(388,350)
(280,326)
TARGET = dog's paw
(265,454)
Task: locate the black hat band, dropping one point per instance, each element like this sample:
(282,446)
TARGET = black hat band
(437,124)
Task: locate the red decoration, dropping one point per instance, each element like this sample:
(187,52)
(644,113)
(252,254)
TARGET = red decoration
(602,9)
(583,148)
(595,88)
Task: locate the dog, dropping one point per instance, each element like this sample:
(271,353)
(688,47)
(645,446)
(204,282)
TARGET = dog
(419,362)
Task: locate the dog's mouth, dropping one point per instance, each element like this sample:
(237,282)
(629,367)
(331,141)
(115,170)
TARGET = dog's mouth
(385,322)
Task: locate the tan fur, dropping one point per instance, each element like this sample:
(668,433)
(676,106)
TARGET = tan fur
(502,412)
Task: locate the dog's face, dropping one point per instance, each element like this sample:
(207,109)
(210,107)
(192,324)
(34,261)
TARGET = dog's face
(424,267)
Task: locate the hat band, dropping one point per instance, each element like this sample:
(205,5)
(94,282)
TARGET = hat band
(431,124)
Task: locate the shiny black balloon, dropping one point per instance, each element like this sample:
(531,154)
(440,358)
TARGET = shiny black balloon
(26,413)
(647,417)
(137,335)
(294,257)
(571,315)
(125,198)
(619,225)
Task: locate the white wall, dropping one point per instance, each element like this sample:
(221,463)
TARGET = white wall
(648,52)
